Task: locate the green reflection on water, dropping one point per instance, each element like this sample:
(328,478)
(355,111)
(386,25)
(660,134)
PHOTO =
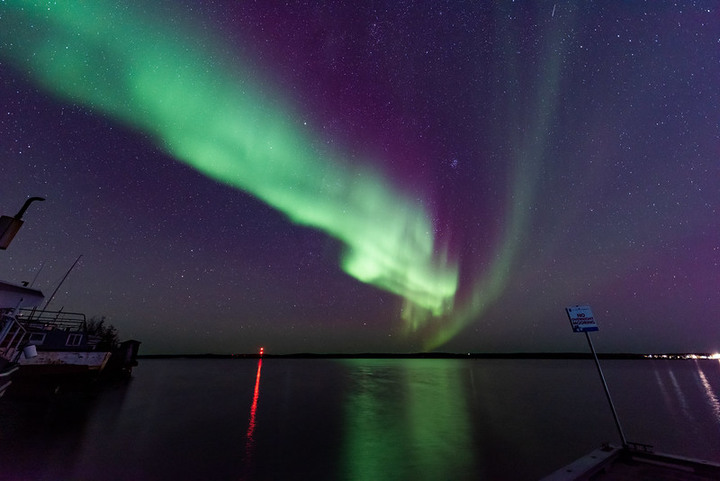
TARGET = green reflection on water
(407,419)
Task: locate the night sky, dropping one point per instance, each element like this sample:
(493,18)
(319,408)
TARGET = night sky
(368,176)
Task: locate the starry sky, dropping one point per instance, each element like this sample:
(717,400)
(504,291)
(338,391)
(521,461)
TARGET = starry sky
(368,176)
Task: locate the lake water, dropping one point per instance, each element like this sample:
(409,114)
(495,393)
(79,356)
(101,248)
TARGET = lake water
(368,419)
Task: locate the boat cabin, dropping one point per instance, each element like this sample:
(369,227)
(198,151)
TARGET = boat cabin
(57,331)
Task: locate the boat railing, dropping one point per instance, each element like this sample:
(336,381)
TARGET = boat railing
(12,335)
(34,319)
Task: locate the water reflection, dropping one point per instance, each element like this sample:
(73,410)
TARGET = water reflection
(407,419)
(253,411)
(712,398)
(248,470)
(45,436)
(680,396)
(663,389)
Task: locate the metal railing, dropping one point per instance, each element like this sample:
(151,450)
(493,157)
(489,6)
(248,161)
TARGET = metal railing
(12,335)
(34,319)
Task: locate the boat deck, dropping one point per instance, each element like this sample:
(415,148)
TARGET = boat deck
(611,463)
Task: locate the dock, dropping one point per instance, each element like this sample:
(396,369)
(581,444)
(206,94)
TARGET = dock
(635,462)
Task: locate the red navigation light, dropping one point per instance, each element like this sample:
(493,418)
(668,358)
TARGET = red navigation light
(262,350)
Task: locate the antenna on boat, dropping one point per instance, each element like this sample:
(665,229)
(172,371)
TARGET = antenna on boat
(37,274)
(582,320)
(61,282)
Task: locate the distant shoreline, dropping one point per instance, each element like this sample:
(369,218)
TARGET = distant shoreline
(429,355)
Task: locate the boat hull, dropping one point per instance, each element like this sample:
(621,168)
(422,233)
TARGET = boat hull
(64,362)
(5,377)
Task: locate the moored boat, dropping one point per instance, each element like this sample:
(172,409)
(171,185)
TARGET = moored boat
(12,333)
(63,344)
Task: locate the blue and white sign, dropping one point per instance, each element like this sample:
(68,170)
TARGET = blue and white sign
(581,319)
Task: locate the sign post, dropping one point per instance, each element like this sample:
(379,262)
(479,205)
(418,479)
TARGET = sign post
(582,320)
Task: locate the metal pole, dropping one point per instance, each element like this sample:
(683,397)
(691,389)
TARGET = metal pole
(607,391)
(61,282)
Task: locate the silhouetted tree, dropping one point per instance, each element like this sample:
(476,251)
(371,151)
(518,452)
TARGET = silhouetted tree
(108,334)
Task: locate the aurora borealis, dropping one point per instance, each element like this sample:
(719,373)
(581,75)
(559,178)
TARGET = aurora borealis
(397,176)
(224,127)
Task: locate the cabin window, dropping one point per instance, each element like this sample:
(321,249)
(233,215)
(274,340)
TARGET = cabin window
(74,340)
(37,338)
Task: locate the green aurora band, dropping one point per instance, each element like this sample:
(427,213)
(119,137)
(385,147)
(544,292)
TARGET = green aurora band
(172,83)
(216,119)
(528,152)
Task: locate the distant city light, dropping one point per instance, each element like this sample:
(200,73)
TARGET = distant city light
(683,356)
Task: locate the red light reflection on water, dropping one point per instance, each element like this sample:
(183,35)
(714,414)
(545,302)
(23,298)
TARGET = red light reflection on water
(248,465)
(253,408)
